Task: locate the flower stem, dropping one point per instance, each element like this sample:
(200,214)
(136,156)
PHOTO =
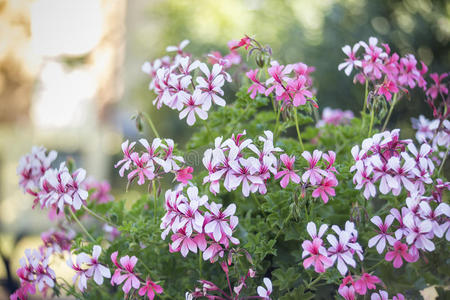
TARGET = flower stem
(372,115)
(149,121)
(314,281)
(100,218)
(375,265)
(390,112)
(366,91)
(443,162)
(277,122)
(154,201)
(81,225)
(298,130)
(200,261)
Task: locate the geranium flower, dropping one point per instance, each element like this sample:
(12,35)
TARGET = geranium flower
(400,250)
(264,293)
(184,175)
(318,255)
(179,48)
(245,41)
(150,288)
(386,88)
(219,223)
(194,105)
(144,168)
(211,86)
(256,86)
(348,292)
(298,91)
(418,232)
(288,174)
(325,188)
(383,235)
(438,86)
(97,270)
(313,174)
(340,252)
(366,281)
(312,230)
(381,295)
(351,61)
(124,272)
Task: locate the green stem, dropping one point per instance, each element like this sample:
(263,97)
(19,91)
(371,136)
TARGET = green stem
(375,265)
(200,261)
(443,162)
(100,218)
(149,121)
(390,112)
(278,122)
(154,201)
(284,223)
(314,281)
(372,115)
(81,225)
(365,95)
(146,267)
(298,130)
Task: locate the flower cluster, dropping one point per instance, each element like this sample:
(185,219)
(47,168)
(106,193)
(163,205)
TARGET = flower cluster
(228,160)
(417,223)
(57,241)
(439,105)
(341,251)
(209,288)
(357,284)
(157,159)
(433,133)
(196,223)
(291,90)
(173,83)
(34,271)
(322,181)
(101,190)
(387,71)
(393,162)
(32,167)
(59,187)
(335,117)
(125,273)
(86,267)
(232,58)
(52,188)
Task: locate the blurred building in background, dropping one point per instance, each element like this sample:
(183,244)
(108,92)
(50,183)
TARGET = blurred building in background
(61,73)
(70,76)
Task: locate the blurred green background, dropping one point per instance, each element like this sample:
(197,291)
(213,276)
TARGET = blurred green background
(70,75)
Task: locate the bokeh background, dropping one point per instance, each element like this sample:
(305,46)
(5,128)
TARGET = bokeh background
(70,76)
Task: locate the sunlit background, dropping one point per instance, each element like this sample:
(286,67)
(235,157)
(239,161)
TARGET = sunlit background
(70,75)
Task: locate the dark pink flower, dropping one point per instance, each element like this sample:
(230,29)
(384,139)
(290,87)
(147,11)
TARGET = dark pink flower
(150,288)
(366,281)
(438,86)
(325,188)
(257,86)
(386,88)
(289,173)
(184,175)
(400,250)
(244,42)
(348,292)
(318,255)
(124,272)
